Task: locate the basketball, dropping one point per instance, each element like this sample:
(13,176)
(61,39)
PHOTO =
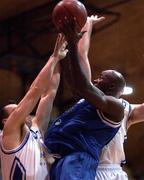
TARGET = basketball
(70,9)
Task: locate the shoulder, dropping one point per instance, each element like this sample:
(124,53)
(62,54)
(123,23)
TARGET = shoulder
(114,108)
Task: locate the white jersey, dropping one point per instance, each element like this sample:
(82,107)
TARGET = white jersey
(113,155)
(26,162)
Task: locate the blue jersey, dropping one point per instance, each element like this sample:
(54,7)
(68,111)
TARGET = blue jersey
(83,128)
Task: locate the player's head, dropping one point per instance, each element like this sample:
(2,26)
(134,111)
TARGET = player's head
(5,111)
(111,82)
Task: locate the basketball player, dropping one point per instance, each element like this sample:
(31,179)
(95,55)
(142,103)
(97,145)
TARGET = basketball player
(112,156)
(23,154)
(80,133)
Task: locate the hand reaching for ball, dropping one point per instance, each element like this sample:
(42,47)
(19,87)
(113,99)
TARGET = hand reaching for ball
(95,19)
(70,30)
(60,50)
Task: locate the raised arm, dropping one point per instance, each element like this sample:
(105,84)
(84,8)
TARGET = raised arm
(83,48)
(15,126)
(84,43)
(137,114)
(46,102)
(84,87)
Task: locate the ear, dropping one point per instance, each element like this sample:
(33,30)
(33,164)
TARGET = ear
(3,121)
(111,89)
(112,86)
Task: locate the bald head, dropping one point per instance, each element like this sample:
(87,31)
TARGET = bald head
(111,82)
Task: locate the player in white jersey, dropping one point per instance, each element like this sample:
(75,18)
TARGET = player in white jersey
(23,153)
(113,156)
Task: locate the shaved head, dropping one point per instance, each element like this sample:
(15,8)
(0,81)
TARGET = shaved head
(111,82)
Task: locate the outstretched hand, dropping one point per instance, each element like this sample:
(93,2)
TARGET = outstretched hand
(60,50)
(91,21)
(69,27)
(94,19)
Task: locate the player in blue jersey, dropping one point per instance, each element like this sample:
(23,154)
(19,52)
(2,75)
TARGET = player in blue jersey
(113,155)
(23,153)
(80,133)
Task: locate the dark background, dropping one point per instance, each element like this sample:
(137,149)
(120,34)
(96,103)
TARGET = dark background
(27,37)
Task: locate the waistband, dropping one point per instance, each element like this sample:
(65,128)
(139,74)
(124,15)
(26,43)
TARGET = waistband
(109,167)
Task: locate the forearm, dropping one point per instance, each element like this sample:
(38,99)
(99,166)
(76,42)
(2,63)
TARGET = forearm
(137,114)
(79,75)
(43,79)
(83,48)
(43,113)
(46,102)
(84,42)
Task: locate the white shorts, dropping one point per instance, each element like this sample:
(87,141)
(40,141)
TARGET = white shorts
(110,172)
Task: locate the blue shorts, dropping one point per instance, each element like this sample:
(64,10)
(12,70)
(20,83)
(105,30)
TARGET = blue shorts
(76,166)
